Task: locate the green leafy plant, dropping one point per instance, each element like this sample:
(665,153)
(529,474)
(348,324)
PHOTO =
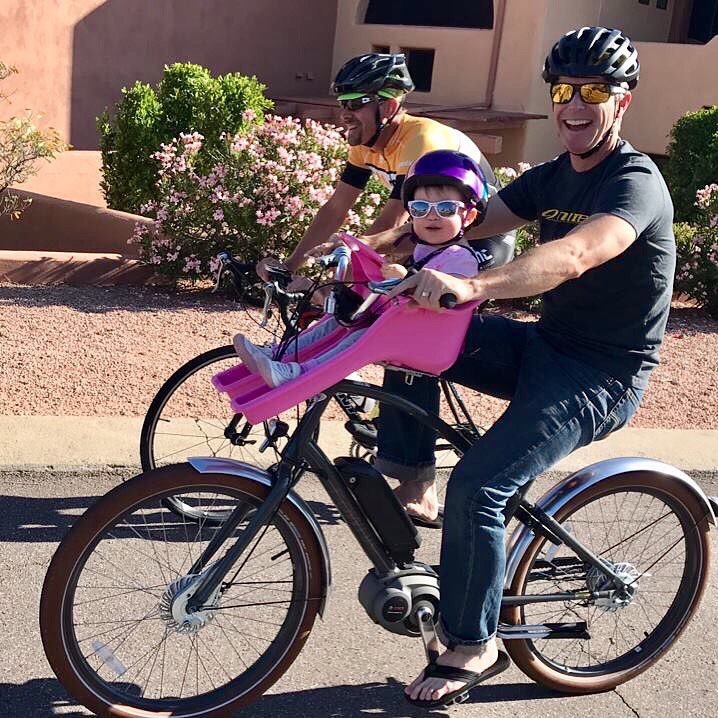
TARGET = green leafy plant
(692,159)
(526,236)
(22,143)
(188,99)
(257,197)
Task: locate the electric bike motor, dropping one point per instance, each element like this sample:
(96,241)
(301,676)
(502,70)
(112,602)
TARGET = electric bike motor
(393,601)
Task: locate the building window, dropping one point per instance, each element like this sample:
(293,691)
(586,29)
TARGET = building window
(421,66)
(457,13)
(644,2)
(381,48)
(704,21)
(661,4)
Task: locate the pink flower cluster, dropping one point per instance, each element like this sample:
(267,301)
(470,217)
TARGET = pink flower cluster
(264,184)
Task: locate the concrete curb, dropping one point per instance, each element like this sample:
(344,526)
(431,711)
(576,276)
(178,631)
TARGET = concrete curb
(83,441)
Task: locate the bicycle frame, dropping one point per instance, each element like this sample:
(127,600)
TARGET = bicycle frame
(302,451)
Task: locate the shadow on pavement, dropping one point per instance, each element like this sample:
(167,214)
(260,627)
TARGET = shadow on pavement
(46,520)
(41,698)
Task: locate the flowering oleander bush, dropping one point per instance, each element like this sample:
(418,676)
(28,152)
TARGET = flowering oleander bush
(526,236)
(697,252)
(264,185)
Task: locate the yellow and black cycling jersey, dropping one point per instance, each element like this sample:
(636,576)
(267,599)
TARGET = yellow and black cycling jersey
(413,137)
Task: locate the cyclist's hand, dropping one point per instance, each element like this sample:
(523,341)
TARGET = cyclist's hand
(393,271)
(428,286)
(263,264)
(326,247)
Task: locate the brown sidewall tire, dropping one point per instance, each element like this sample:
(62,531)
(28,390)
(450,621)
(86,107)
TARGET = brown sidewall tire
(521,651)
(104,512)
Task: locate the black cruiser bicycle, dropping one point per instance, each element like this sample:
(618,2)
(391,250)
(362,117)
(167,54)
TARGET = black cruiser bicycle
(146,612)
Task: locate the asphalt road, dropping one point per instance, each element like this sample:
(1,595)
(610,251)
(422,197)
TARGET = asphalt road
(350,668)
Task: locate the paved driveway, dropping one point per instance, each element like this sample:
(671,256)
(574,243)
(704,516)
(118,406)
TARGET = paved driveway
(350,668)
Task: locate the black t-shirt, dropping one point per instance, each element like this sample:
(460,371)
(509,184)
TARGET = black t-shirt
(613,316)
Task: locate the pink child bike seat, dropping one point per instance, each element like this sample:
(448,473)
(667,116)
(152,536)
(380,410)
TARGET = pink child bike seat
(402,335)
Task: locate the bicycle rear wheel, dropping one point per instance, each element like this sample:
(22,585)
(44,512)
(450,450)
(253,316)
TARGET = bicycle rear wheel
(109,608)
(652,530)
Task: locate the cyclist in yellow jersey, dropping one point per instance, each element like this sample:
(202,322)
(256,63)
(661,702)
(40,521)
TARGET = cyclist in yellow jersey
(385,140)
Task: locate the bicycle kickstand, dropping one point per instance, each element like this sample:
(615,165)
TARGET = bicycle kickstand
(432,646)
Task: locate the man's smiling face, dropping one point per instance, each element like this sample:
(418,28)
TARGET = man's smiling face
(580,124)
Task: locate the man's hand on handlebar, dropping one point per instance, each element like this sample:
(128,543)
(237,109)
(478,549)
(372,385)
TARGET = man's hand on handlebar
(428,286)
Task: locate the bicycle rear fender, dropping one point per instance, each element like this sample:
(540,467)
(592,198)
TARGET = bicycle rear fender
(216,465)
(563,492)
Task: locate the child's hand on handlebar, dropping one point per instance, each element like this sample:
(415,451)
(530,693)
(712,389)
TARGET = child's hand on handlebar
(428,286)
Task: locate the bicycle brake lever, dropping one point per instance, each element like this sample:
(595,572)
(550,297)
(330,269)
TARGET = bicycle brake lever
(268,293)
(218,281)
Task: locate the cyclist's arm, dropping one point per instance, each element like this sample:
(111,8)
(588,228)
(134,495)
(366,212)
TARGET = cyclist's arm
(596,241)
(327,221)
(499,219)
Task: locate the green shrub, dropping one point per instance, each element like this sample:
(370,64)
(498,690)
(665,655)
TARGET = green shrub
(692,159)
(22,144)
(187,99)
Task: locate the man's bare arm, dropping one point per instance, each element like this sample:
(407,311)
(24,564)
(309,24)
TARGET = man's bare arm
(594,242)
(499,219)
(327,221)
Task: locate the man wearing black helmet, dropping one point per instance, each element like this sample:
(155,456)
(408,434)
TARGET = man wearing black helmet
(384,140)
(604,264)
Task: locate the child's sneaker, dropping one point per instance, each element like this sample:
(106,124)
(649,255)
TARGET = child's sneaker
(248,352)
(276,373)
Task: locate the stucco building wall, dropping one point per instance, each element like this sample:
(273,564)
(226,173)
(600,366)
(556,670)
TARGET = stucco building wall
(458,52)
(74,56)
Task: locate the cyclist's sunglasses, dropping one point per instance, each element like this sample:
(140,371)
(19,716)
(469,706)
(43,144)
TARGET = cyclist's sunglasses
(356,103)
(592,93)
(420,208)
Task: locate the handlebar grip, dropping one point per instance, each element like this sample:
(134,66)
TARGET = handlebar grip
(448,301)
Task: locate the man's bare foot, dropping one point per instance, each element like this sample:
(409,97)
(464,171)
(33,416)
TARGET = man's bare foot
(419,499)
(432,689)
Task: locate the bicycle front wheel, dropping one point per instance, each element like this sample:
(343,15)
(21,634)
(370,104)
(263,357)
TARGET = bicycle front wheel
(111,608)
(188,417)
(654,533)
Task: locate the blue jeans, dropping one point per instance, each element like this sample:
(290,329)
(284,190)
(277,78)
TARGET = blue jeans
(557,404)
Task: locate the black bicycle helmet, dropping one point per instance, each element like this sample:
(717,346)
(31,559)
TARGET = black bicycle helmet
(594,51)
(374,74)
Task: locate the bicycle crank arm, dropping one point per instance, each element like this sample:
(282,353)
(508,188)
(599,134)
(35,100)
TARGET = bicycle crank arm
(544,630)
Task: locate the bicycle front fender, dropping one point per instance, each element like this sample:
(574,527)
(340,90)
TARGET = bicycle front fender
(563,492)
(217,465)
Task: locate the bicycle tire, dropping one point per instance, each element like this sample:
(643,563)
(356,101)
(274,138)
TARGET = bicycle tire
(60,618)
(532,657)
(172,386)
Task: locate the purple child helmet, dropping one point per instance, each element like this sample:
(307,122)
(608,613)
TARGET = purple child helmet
(448,167)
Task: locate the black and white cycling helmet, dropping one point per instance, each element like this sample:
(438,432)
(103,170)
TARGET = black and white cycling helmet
(375,73)
(591,52)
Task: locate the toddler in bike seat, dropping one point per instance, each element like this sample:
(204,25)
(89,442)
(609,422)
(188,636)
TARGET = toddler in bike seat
(444,192)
